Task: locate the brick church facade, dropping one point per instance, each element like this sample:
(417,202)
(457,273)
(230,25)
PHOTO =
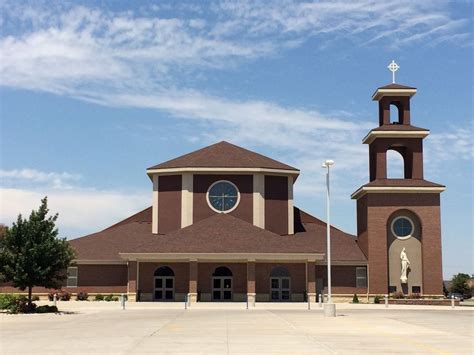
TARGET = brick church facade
(223,227)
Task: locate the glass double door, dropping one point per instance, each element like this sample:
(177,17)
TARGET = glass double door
(164,288)
(222,288)
(280,288)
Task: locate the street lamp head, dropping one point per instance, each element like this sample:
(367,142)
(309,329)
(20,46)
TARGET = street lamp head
(328,163)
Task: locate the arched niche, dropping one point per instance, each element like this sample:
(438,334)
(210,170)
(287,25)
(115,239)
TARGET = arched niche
(404,230)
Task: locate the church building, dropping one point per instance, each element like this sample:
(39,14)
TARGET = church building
(223,226)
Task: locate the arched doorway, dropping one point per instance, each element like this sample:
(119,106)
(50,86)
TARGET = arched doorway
(280,284)
(163,284)
(222,284)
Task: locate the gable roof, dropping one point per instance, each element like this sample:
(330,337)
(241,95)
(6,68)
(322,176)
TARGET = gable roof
(396,86)
(223,155)
(220,233)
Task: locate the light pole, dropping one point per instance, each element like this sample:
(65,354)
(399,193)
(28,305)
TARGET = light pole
(329,307)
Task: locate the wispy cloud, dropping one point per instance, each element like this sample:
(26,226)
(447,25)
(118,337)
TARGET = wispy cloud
(52,179)
(81,210)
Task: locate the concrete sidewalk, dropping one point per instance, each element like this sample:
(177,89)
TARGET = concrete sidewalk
(209,328)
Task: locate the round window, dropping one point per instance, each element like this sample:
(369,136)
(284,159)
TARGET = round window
(402,227)
(223,196)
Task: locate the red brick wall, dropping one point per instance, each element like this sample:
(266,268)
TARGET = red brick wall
(169,203)
(276,204)
(362,237)
(426,207)
(343,279)
(147,271)
(91,279)
(244,183)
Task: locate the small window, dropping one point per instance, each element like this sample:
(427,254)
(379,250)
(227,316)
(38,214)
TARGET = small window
(72,276)
(415,289)
(361,277)
(392,289)
(402,227)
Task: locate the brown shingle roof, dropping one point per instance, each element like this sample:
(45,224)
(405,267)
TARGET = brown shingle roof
(220,233)
(402,182)
(398,127)
(223,155)
(396,86)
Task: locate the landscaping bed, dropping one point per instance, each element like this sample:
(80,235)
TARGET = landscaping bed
(425,302)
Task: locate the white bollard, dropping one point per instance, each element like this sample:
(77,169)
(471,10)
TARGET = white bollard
(452,301)
(386,301)
(309,303)
(122,301)
(320,300)
(329,310)
(186,302)
(54,300)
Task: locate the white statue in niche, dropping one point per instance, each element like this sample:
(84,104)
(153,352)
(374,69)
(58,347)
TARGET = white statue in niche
(405,266)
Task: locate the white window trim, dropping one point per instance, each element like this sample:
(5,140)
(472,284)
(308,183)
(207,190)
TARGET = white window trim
(212,207)
(402,237)
(72,277)
(358,278)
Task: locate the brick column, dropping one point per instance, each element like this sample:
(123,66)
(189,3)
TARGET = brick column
(311,280)
(132,281)
(251,283)
(193,277)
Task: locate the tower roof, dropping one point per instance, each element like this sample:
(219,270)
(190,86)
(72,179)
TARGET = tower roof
(223,155)
(393,90)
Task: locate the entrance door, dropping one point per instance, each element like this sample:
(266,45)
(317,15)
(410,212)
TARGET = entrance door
(222,288)
(280,288)
(164,288)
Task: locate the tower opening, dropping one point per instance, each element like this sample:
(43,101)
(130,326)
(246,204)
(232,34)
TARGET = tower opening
(395,165)
(395,113)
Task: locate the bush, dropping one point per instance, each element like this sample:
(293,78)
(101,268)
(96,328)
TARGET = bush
(64,296)
(51,294)
(20,305)
(35,298)
(414,296)
(82,296)
(398,295)
(46,309)
(99,297)
(355,299)
(377,299)
(109,298)
(7,299)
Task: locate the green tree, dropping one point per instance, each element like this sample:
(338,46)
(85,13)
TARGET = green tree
(31,254)
(459,285)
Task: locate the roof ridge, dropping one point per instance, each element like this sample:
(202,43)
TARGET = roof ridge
(223,154)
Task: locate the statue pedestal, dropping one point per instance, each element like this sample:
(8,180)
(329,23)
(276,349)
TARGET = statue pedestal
(329,310)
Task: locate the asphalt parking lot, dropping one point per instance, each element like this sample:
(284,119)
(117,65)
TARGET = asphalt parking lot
(100,328)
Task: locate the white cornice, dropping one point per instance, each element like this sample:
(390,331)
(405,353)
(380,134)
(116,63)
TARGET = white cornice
(396,189)
(99,262)
(392,92)
(222,170)
(242,257)
(372,135)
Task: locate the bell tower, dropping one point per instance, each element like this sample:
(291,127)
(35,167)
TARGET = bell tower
(398,220)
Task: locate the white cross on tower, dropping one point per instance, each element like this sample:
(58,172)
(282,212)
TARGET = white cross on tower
(393,67)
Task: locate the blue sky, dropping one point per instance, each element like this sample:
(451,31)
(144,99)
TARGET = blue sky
(93,93)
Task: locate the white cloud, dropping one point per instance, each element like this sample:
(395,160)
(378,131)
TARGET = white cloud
(80,210)
(56,180)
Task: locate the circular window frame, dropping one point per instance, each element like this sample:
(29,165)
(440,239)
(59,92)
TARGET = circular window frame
(403,237)
(209,202)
